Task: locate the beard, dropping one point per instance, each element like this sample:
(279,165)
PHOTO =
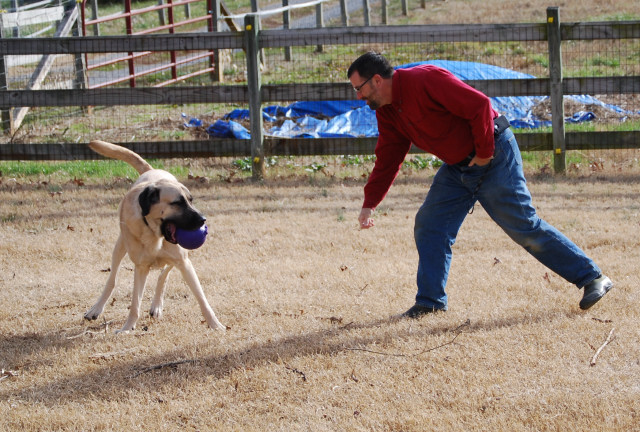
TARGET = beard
(373,100)
(373,104)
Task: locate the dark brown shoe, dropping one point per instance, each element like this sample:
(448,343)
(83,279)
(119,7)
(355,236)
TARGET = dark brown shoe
(594,291)
(416,311)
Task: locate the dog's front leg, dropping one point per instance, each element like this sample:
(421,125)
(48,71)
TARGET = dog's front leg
(139,280)
(157,303)
(118,253)
(190,276)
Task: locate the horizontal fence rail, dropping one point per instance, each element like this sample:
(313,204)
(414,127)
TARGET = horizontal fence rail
(325,36)
(296,146)
(109,44)
(405,34)
(288,92)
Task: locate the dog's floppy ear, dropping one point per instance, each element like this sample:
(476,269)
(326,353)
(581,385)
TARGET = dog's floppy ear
(148,197)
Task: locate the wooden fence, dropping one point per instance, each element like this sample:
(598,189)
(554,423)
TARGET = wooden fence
(253,39)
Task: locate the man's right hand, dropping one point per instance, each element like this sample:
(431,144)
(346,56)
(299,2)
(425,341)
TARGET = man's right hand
(365,218)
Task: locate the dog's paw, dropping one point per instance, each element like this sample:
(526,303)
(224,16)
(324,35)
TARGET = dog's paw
(218,326)
(125,330)
(155,312)
(93,313)
(212,321)
(127,327)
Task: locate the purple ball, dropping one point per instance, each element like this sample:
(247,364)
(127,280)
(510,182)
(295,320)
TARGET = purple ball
(192,239)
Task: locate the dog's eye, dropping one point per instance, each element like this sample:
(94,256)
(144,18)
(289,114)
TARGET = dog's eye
(179,202)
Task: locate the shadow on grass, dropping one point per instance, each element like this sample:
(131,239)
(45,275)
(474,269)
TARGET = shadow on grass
(158,371)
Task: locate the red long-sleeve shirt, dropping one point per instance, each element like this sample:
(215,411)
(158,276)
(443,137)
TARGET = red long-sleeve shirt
(435,111)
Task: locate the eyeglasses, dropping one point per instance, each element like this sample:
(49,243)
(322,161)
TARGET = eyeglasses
(357,89)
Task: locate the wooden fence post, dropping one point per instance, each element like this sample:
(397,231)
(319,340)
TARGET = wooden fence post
(319,23)
(81,80)
(366,12)
(557,94)
(14,8)
(286,15)
(218,72)
(251,33)
(385,12)
(344,13)
(6,114)
(187,10)
(94,16)
(255,9)
(129,29)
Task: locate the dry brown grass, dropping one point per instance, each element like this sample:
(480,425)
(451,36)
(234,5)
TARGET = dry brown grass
(308,299)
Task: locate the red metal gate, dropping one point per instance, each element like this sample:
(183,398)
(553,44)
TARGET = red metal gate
(130,58)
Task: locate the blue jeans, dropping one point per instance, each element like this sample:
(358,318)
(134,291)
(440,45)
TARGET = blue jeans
(501,189)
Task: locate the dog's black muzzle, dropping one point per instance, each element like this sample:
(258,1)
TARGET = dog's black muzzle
(189,220)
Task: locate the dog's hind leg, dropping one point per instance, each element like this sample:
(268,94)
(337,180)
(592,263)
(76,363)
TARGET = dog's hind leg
(140,274)
(117,255)
(157,303)
(190,276)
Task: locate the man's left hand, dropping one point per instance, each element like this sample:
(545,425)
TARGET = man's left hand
(480,161)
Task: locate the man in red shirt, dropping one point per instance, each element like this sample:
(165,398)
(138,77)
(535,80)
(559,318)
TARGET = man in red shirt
(429,107)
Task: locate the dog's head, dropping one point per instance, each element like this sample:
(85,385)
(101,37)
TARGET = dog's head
(169,205)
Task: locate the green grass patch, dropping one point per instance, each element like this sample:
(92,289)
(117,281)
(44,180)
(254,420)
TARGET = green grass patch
(623,17)
(99,169)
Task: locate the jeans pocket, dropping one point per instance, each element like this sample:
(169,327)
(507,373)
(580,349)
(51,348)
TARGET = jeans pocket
(513,144)
(506,149)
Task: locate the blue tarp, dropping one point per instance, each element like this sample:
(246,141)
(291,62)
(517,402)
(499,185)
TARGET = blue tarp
(319,119)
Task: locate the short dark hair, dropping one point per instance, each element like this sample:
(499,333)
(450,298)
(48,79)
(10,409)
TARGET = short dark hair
(370,64)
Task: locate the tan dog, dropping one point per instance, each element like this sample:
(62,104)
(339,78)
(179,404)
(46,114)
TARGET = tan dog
(151,211)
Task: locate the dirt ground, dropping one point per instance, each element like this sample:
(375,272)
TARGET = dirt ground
(307,298)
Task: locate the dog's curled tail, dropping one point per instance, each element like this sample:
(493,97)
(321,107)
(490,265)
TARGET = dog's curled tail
(121,153)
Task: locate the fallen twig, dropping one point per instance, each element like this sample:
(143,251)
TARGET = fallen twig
(104,324)
(346,326)
(162,366)
(304,377)
(457,330)
(440,346)
(376,352)
(6,374)
(595,356)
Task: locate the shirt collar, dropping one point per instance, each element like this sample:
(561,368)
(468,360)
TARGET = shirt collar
(396,90)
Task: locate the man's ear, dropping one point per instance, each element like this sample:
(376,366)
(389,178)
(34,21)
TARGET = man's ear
(148,197)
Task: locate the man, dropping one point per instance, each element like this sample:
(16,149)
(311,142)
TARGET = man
(429,107)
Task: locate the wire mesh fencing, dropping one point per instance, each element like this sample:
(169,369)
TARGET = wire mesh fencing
(308,66)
